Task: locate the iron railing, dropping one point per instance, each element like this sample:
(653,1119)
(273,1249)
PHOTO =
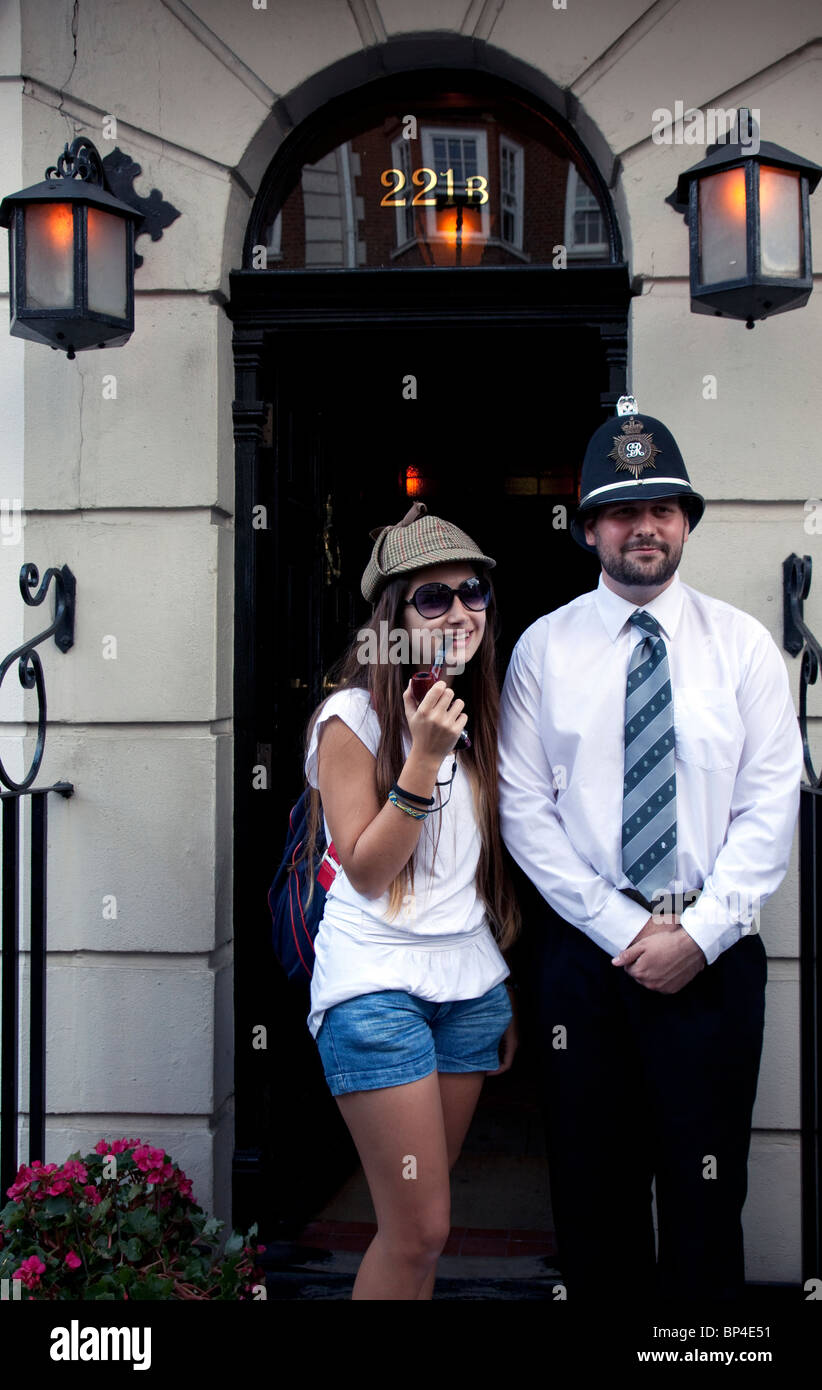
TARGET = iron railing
(30,672)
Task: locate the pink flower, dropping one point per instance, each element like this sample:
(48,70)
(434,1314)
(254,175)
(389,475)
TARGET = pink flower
(73,1168)
(40,1175)
(92,1194)
(21,1182)
(59,1186)
(40,1170)
(30,1271)
(120,1145)
(73,1260)
(184,1186)
(102,1147)
(147,1158)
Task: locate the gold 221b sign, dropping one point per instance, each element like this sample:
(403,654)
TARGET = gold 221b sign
(426,180)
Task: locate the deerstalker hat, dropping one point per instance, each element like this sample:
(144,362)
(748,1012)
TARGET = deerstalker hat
(615,464)
(414,543)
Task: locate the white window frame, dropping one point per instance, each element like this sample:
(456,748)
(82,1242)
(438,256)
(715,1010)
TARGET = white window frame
(401,155)
(599,248)
(506,145)
(427,135)
(273,248)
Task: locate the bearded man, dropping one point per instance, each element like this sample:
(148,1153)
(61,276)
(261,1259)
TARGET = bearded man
(650,760)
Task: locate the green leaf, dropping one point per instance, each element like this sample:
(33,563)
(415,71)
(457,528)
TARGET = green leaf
(234,1244)
(132,1249)
(142,1222)
(153,1287)
(102,1289)
(58,1206)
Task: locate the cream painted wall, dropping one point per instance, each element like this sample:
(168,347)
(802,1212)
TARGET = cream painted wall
(136,493)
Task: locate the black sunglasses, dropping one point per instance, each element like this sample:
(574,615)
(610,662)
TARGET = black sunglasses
(433,600)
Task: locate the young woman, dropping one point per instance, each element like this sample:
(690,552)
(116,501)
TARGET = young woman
(408,1004)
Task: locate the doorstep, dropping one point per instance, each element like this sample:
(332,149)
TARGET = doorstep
(322,1261)
(507,1243)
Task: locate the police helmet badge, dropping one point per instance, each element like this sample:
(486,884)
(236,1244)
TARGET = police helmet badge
(632,449)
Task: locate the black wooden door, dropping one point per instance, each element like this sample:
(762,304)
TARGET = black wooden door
(494,423)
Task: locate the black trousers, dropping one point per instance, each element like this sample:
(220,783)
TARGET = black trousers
(641,1085)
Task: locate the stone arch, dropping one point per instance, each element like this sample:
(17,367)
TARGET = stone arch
(298,116)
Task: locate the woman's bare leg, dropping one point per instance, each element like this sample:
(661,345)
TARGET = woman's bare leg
(400,1131)
(459,1093)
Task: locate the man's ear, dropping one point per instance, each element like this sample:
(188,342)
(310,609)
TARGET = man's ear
(590,531)
(687,524)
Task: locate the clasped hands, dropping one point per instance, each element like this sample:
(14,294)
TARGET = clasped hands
(662,956)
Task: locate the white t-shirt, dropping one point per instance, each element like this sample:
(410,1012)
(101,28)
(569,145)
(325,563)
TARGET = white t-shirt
(440,945)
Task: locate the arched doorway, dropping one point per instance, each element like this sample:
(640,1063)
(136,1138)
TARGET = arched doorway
(443,348)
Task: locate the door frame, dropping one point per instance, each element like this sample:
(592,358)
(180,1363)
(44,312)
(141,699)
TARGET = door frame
(263,304)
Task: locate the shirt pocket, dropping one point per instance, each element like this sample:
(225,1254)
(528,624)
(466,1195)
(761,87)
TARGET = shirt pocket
(708,730)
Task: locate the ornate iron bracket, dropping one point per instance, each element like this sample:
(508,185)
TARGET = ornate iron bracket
(796,585)
(121,171)
(30,669)
(79,160)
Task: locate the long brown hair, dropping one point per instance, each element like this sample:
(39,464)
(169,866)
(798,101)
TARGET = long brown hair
(478,685)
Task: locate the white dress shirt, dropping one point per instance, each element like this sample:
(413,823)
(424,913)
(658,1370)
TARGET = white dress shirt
(738,762)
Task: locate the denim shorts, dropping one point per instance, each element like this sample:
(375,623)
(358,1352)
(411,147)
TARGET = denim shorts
(389,1038)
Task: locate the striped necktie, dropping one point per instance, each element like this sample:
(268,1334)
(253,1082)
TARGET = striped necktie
(649,790)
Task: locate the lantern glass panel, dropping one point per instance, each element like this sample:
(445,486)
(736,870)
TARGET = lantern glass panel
(460,239)
(780,212)
(106,264)
(722,227)
(49,233)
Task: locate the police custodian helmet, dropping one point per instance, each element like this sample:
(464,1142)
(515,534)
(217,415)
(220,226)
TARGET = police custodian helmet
(615,464)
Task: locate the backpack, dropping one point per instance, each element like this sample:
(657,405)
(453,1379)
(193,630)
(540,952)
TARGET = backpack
(295,920)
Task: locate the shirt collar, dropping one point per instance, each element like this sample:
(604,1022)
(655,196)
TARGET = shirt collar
(615,611)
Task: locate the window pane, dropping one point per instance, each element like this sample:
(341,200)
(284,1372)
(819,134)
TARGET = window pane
(359,191)
(722,227)
(780,212)
(49,256)
(106,263)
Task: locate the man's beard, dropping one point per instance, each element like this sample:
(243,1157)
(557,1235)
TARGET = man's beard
(621,566)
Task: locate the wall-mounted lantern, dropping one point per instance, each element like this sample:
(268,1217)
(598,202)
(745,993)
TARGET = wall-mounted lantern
(71,252)
(750,235)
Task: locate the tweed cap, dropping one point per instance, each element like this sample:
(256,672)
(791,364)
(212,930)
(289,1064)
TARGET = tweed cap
(414,543)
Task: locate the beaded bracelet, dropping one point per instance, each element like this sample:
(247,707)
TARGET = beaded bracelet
(409,810)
